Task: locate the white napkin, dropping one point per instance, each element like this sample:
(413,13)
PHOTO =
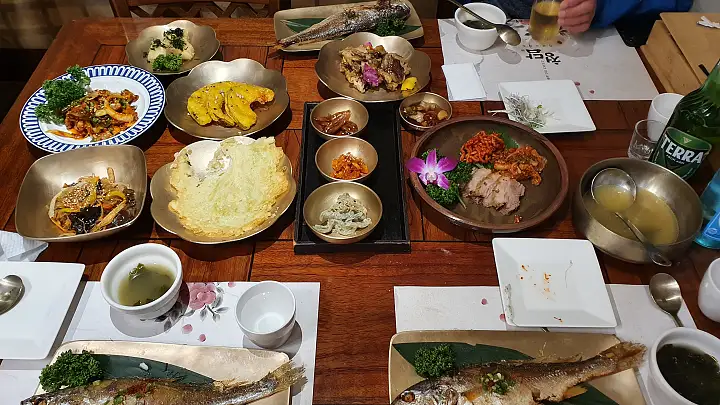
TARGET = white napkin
(705,22)
(15,248)
(463,82)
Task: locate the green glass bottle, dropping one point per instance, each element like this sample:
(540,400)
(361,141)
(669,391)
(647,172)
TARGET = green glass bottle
(693,129)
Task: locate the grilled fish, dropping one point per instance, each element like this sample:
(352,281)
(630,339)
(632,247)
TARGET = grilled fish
(529,381)
(168,392)
(349,21)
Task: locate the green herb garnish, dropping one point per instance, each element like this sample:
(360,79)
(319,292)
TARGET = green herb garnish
(460,175)
(139,269)
(70,370)
(434,362)
(390,26)
(167,63)
(175,38)
(60,93)
(497,383)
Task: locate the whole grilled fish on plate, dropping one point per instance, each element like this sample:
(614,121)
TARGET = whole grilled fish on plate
(529,381)
(358,18)
(131,391)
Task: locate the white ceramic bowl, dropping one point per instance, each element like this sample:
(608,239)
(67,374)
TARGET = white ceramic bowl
(266,314)
(709,296)
(475,39)
(121,265)
(660,390)
(661,109)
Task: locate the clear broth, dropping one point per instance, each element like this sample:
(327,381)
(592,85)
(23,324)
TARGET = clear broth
(693,374)
(150,284)
(649,213)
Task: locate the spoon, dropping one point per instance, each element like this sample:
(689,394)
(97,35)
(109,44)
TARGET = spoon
(619,178)
(11,289)
(665,290)
(506,32)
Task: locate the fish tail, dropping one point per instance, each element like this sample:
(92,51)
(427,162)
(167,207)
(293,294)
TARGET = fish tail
(285,377)
(625,355)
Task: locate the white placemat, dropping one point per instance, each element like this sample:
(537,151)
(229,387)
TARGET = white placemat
(480,308)
(592,60)
(208,324)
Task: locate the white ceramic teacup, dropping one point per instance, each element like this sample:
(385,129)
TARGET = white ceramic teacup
(477,39)
(266,314)
(121,265)
(709,296)
(661,110)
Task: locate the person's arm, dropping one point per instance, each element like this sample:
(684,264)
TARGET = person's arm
(609,11)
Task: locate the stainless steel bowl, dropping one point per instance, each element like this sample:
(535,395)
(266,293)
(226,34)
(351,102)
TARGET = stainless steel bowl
(427,97)
(325,196)
(332,149)
(358,114)
(239,70)
(202,38)
(47,175)
(665,184)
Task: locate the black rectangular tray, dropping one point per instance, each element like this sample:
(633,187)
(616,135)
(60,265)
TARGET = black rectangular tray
(392,233)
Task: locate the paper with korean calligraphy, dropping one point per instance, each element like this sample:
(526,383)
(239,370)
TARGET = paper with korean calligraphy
(600,64)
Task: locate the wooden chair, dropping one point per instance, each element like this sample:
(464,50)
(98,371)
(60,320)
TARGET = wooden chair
(189,8)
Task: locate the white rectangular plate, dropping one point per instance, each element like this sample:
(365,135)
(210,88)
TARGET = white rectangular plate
(552,283)
(29,329)
(560,97)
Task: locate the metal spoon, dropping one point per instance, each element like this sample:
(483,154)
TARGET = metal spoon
(11,289)
(665,290)
(506,32)
(619,178)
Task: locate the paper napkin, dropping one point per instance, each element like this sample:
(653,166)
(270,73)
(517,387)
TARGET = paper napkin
(15,248)
(705,22)
(463,82)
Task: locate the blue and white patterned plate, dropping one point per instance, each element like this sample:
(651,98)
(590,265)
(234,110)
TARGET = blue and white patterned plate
(115,78)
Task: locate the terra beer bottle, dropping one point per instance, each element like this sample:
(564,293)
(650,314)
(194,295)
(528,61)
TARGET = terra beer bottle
(692,130)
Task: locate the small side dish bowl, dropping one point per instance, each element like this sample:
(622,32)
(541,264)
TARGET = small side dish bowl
(266,314)
(121,265)
(660,391)
(332,149)
(48,174)
(358,114)
(478,39)
(201,37)
(427,97)
(326,195)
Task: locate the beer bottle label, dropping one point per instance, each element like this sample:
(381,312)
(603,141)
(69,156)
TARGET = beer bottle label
(680,152)
(712,229)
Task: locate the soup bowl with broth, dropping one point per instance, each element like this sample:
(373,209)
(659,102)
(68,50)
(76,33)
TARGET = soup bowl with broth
(666,209)
(143,281)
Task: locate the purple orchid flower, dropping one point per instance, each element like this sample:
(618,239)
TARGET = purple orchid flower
(430,170)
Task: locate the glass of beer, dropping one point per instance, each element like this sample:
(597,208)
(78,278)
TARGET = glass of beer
(544,26)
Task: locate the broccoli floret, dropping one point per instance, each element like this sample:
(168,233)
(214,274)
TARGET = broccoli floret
(390,26)
(70,370)
(434,362)
(167,63)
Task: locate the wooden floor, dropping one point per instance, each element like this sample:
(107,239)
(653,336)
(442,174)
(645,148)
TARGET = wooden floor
(16,66)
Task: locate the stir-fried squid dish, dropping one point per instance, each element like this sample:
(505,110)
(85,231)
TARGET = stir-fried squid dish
(100,115)
(92,204)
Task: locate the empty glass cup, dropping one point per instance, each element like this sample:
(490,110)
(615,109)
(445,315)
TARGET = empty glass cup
(642,144)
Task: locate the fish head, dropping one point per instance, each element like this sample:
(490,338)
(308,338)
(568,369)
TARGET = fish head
(399,9)
(430,392)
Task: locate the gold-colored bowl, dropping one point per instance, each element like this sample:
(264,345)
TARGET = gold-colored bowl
(48,174)
(202,38)
(427,97)
(325,196)
(202,152)
(329,61)
(333,148)
(358,114)
(665,184)
(239,70)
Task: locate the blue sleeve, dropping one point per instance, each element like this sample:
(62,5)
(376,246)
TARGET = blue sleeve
(609,11)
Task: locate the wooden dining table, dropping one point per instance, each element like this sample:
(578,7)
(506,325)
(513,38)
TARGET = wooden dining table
(356,315)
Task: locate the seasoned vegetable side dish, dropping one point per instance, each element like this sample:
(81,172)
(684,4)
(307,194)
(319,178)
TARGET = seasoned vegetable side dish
(344,217)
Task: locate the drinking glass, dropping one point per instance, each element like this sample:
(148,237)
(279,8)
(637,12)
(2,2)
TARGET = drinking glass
(642,144)
(544,25)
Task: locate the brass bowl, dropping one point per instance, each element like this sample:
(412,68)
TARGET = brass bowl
(331,149)
(47,175)
(202,38)
(238,70)
(202,152)
(325,196)
(358,114)
(427,97)
(662,182)
(328,66)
